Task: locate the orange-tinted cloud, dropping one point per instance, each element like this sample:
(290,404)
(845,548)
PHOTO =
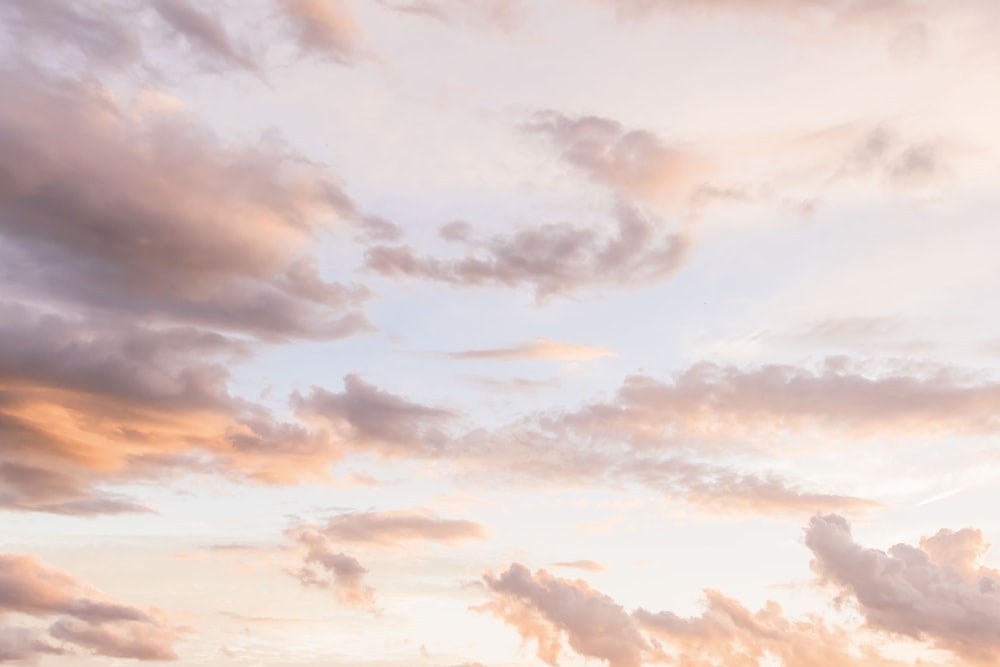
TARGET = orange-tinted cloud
(326,28)
(83,617)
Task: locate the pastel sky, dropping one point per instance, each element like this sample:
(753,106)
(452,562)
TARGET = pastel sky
(495,333)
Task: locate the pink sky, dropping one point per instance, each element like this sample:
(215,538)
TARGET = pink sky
(491,333)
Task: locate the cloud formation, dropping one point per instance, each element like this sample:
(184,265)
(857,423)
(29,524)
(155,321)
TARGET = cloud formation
(938,591)
(81,617)
(554,259)
(542,348)
(325,566)
(168,223)
(550,609)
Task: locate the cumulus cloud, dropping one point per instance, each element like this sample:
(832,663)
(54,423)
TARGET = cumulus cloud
(550,610)
(82,617)
(542,348)
(727,634)
(937,591)
(169,222)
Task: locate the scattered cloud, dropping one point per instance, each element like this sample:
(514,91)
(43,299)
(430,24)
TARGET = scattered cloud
(82,617)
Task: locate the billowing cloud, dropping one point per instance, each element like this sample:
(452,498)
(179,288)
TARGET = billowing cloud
(553,258)
(550,609)
(938,591)
(83,617)
(727,634)
(542,348)
(169,222)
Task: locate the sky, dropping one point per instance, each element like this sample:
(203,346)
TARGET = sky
(496,333)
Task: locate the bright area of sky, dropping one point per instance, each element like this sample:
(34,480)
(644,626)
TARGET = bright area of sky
(496,332)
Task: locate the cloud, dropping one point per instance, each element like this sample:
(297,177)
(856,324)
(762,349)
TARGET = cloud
(938,591)
(503,14)
(395,528)
(22,644)
(339,572)
(94,32)
(325,566)
(586,565)
(82,616)
(634,163)
(727,634)
(326,28)
(542,348)
(366,415)
(548,609)
(709,400)
(203,31)
(145,213)
(554,259)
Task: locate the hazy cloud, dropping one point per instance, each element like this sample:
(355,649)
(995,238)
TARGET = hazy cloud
(82,616)
(542,348)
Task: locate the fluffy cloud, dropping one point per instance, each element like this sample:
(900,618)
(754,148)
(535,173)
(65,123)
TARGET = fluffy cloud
(82,616)
(168,223)
(548,609)
(938,591)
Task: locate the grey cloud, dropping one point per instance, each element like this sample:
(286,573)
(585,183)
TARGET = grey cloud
(22,644)
(937,592)
(553,259)
(168,222)
(202,30)
(372,416)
